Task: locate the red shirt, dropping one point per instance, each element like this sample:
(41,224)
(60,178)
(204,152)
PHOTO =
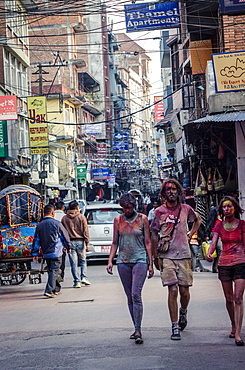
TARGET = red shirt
(233,249)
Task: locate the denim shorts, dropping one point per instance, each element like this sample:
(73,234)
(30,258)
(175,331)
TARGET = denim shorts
(229,273)
(176,272)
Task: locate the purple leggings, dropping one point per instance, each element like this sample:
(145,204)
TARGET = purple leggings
(133,276)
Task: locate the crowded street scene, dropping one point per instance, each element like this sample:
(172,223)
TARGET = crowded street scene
(122,184)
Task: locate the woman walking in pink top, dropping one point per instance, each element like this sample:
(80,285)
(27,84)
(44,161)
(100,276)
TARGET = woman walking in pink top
(231,266)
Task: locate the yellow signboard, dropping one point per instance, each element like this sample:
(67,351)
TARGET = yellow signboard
(201,52)
(38,129)
(229,71)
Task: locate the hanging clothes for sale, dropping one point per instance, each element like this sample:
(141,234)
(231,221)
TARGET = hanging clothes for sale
(202,208)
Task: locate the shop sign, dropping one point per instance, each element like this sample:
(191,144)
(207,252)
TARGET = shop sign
(8,107)
(82,172)
(100,173)
(120,141)
(38,128)
(92,129)
(151,16)
(232,6)
(3,139)
(201,52)
(111,181)
(229,71)
(101,150)
(170,139)
(158,108)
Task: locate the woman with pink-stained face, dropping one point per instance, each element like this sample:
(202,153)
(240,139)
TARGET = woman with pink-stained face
(231,267)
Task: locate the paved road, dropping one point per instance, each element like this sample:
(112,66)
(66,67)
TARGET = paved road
(89,328)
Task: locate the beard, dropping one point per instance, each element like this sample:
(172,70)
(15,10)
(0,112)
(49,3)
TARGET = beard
(172,199)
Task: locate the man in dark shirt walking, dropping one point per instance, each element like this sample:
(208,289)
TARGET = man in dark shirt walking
(52,238)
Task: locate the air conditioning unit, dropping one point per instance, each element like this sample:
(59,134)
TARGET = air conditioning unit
(210,84)
(184,117)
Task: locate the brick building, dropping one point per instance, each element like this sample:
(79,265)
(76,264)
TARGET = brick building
(206,126)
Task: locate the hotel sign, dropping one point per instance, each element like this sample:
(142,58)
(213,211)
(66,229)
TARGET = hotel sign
(151,16)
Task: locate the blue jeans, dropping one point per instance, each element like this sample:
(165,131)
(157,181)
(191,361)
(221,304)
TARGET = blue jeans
(133,276)
(77,258)
(53,266)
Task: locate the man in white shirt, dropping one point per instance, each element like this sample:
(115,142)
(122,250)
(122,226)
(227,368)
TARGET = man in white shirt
(59,210)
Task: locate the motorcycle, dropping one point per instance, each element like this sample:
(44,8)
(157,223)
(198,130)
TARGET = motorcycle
(20,211)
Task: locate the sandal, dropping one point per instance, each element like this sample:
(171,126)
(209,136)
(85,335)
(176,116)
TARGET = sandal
(132,336)
(239,342)
(232,335)
(138,339)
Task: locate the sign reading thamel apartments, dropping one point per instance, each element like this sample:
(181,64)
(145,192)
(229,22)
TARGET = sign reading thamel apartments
(38,129)
(151,16)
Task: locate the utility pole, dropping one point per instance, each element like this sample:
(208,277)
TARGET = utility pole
(40,72)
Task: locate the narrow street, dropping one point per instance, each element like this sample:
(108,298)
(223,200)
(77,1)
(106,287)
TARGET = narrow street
(89,328)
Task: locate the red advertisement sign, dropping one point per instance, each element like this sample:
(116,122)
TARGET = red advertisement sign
(101,150)
(158,109)
(8,107)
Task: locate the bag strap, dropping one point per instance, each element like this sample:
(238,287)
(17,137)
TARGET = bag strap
(176,221)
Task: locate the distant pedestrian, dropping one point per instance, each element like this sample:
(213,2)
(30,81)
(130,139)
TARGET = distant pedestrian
(231,266)
(52,238)
(59,213)
(131,237)
(172,252)
(77,228)
(152,211)
(212,220)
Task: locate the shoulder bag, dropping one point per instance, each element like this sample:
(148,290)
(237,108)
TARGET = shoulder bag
(163,244)
(218,181)
(201,184)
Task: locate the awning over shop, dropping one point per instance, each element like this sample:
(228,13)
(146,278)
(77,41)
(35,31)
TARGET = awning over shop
(167,119)
(223,117)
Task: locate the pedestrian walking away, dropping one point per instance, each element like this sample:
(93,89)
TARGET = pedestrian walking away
(52,238)
(231,265)
(58,215)
(131,238)
(77,228)
(171,251)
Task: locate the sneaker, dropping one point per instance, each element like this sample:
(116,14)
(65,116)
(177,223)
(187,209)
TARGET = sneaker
(175,333)
(48,295)
(85,281)
(77,285)
(138,339)
(57,293)
(182,319)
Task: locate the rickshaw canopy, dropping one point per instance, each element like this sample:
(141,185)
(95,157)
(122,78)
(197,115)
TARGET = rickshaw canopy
(20,205)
